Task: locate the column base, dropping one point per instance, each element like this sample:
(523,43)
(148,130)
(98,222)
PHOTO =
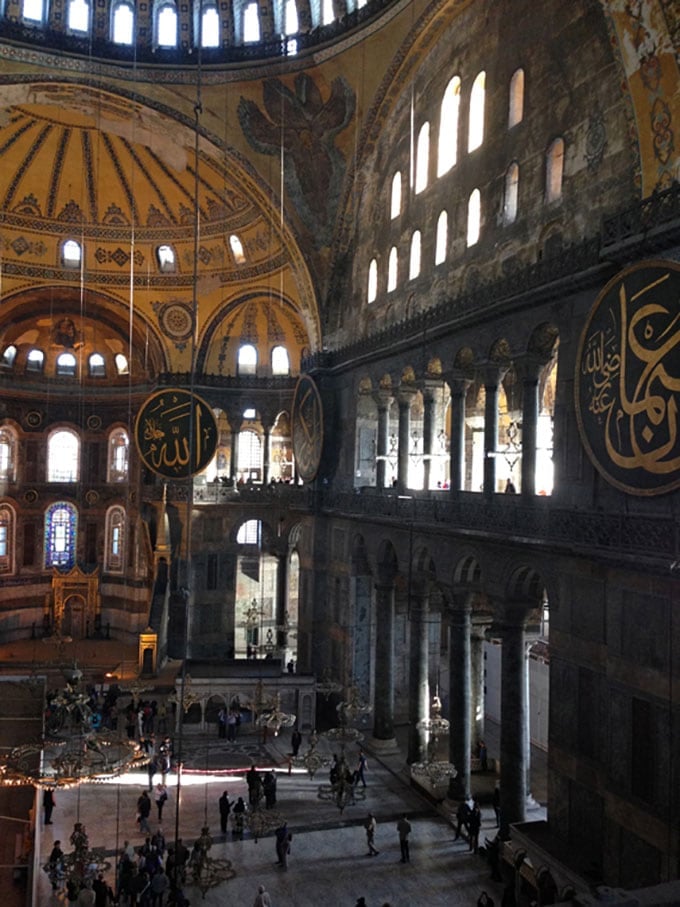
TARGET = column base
(383,747)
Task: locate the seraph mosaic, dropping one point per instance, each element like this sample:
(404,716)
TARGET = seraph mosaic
(302,126)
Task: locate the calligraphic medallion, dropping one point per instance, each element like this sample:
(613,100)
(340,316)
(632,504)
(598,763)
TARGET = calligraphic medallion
(627,380)
(176,433)
(307,428)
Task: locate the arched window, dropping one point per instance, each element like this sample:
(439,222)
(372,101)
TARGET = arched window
(119,449)
(372,291)
(474,217)
(249,533)
(511,193)
(7,523)
(251,23)
(554,170)
(476,126)
(422,158)
(442,238)
(122,23)
(414,258)
(66,364)
(210,26)
(166,26)
(61,521)
(247,360)
(447,151)
(33,11)
(121,364)
(280,361)
(327,12)
(290,18)
(392,270)
(249,456)
(96,366)
(63,456)
(236,247)
(79,16)
(516,99)
(166,259)
(114,559)
(35,360)
(8,356)
(8,455)
(71,254)
(395,198)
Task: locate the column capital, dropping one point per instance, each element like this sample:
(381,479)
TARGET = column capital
(429,387)
(492,373)
(529,366)
(383,397)
(458,381)
(405,394)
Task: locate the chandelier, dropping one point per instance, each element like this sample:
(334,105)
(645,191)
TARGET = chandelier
(272,717)
(206,871)
(312,760)
(183,696)
(72,750)
(81,864)
(342,789)
(433,771)
(261,822)
(326,686)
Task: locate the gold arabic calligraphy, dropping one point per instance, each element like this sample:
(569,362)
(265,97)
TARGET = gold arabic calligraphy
(176,433)
(630,372)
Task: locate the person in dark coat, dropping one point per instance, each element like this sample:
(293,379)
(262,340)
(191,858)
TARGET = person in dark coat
(48,804)
(225,807)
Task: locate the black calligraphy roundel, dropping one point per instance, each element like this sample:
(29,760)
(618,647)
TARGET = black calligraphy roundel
(307,428)
(176,433)
(627,380)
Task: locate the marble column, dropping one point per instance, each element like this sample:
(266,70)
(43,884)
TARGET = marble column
(266,453)
(460,698)
(530,370)
(458,388)
(514,719)
(404,400)
(281,601)
(477,704)
(428,430)
(235,425)
(383,401)
(490,431)
(383,713)
(419,688)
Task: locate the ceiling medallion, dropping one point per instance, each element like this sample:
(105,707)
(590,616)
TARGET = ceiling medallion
(33,418)
(176,321)
(94,422)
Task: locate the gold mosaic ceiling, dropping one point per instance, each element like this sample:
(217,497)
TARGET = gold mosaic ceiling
(121,179)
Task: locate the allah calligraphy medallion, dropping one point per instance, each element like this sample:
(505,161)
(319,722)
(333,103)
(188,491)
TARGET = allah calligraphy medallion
(176,433)
(627,380)
(307,428)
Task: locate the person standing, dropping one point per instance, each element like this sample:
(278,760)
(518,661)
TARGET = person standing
(262,898)
(161,797)
(474,826)
(404,829)
(143,812)
(370,825)
(224,804)
(362,766)
(222,723)
(48,804)
(496,802)
(283,839)
(295,740)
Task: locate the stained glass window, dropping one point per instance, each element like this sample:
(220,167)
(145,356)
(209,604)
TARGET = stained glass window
(60,535)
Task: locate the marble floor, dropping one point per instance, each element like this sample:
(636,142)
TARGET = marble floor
(328,863)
